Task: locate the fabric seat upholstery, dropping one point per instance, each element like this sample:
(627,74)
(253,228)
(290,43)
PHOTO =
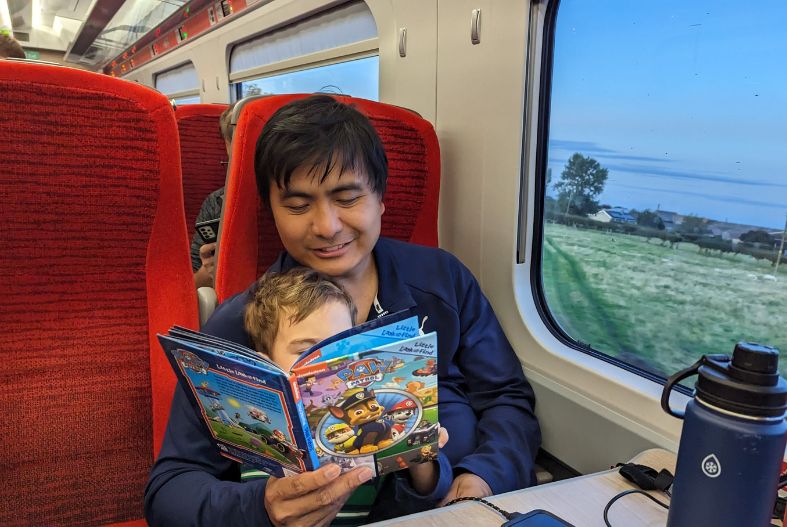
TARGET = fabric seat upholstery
(202,152)
(96,258)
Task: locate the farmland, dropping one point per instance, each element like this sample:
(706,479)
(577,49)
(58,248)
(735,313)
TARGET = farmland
(657,307)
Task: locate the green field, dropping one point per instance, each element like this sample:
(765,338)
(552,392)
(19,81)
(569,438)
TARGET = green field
(656,307)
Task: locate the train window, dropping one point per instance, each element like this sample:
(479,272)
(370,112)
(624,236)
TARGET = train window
(188,99)
(179,83)
(358,78)
(663,203)
(334,50)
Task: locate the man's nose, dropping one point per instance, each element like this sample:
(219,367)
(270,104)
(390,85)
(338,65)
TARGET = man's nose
(327,222)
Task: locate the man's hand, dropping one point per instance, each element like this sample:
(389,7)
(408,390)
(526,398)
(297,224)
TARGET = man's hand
(312,498)
(424,475)
(205,275)
(207,253)
(467,484)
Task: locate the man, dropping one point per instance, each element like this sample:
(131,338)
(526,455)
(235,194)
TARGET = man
(321,168)
(203,255)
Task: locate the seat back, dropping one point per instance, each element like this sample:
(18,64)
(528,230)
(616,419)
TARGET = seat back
(249,241)
(96,262)
(203,156)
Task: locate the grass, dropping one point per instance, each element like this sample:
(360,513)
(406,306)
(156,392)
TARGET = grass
(656,307)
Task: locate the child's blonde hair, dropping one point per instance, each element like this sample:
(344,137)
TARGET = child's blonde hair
(300,292)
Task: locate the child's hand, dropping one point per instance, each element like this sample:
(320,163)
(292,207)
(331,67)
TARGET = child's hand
(424,475)
(311,498)
(467,484)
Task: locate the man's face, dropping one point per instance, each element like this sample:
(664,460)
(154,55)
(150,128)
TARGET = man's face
(293,339)
(332,226)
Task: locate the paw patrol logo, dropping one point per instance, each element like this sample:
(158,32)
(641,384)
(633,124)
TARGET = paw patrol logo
(362,373)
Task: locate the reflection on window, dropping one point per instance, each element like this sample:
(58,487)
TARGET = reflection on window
(666,196)
(189,99)
(358,78)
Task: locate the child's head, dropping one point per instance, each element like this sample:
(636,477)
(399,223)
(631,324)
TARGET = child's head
(290,312)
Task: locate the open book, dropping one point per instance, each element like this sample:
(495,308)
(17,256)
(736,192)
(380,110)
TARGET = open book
(367,396)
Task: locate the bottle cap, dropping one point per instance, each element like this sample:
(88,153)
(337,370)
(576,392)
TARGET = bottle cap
(749,383)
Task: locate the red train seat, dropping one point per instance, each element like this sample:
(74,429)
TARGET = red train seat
(249,242)
(203,155)
(95,252)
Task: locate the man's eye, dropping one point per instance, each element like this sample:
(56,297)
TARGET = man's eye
(297,209)
(346,202)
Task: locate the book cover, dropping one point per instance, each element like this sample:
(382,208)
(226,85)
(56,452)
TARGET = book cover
(367,396)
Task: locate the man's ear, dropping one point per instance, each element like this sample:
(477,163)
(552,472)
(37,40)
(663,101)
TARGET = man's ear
(382,207)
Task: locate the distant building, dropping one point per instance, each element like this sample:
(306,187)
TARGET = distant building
(670,219)
(616,214)
(730,231)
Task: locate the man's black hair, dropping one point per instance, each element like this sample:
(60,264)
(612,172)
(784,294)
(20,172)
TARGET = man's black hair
(320,132)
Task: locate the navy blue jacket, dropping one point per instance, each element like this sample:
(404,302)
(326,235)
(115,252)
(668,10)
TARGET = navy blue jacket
(485,402)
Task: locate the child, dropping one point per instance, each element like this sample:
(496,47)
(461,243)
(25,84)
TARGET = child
(290,312)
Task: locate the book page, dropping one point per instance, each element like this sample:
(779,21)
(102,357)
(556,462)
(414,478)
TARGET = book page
(377,407)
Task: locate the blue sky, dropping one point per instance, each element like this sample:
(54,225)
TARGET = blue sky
(685,103)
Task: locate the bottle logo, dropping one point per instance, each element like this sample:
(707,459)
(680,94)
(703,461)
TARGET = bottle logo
(711,466)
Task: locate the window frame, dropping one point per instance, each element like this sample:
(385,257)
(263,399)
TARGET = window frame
(541,128)
(358,50)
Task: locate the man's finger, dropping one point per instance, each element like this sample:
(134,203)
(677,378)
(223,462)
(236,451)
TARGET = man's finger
(207,250)
(443,439)
(303,484)
(322,502)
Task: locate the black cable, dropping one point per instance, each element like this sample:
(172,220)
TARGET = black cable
(625,493)
(782,482)
(507,515)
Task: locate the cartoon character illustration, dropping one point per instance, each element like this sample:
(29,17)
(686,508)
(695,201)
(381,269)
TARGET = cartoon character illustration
(414,386)
(360,409)
(206,390)
(258,415)
(429,369)
(192,362)
(336,383)
(329,399)
(278,440)
(396,363)
(400,413)
(425,432)
(426,454)
(217,407)
(341,436)
(309,384)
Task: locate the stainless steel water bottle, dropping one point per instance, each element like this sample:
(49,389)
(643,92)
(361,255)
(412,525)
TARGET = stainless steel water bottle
(733,440)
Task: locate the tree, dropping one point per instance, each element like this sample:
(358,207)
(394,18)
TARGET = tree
(757,236)
(650,219)
(580,182)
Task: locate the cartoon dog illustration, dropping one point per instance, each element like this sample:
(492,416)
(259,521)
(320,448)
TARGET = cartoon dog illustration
(360,410)
(399,414)
(341,436)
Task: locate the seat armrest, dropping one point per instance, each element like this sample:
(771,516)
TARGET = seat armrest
(207,302)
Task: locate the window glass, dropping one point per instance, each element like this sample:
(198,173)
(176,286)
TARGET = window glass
(358,78)
(666,196)
(180,79)
(189,99)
